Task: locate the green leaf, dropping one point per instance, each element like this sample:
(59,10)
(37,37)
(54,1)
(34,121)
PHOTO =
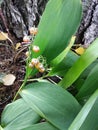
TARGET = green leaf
(89,86)
(18,115)
(41,126)
(65,65)
(83,62)
(78,84)
(80,81)
(51,102)
(1,2)
(57,27)
(88,69)
(63,54)
(87,119)
(1,128)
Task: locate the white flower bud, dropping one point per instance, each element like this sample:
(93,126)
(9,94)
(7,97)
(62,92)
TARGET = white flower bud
(36,48)
(26,39)
(34,61)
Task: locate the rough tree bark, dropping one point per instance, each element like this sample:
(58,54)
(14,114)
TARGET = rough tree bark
(20,15)
(88,29)
(17,16)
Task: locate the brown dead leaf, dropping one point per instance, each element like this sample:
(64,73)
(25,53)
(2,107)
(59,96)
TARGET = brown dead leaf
(80,50)
(3,36)
(17,46)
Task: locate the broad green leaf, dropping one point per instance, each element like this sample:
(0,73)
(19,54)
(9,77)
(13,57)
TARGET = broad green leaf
(57,27)
(51,102)
(63,54)
(80,81)
(18,115)
(89,86)
(82,63)
(1,2)
(65,65)
(1,128)
(88,69)
(41,126)
(87,119)
(78,84)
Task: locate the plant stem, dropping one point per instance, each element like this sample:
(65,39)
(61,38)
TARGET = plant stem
(23,84)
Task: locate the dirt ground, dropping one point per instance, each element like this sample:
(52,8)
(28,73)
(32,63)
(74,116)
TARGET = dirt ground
(11,62)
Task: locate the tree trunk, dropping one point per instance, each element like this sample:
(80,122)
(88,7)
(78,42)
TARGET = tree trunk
(17,16)
(88,29)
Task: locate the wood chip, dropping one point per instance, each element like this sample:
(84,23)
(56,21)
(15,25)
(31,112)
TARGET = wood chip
(8,79)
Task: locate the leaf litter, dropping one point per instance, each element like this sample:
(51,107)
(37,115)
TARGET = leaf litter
(12,71)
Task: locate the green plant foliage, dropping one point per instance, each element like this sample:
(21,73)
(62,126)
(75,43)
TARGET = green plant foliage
(41,126)
(18,115)
(87,119)
(57,27)
(80,81)
(89,86)
(1,2)
(49,101)
(88,69)
(1,128)
(65,65)
(63,54)
(83,62)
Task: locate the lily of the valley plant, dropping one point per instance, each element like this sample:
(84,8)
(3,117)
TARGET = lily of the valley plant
(72,103)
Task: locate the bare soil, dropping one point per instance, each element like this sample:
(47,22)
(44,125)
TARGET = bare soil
(11,62)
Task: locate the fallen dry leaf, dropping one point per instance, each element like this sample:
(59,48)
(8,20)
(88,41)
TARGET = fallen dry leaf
(17,46)
(80,50)
(3,36)
(8,79)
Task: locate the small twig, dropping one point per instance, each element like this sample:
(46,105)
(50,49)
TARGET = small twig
(51,81)
(29,80)
(19,53)
(58,77)
(25,80)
